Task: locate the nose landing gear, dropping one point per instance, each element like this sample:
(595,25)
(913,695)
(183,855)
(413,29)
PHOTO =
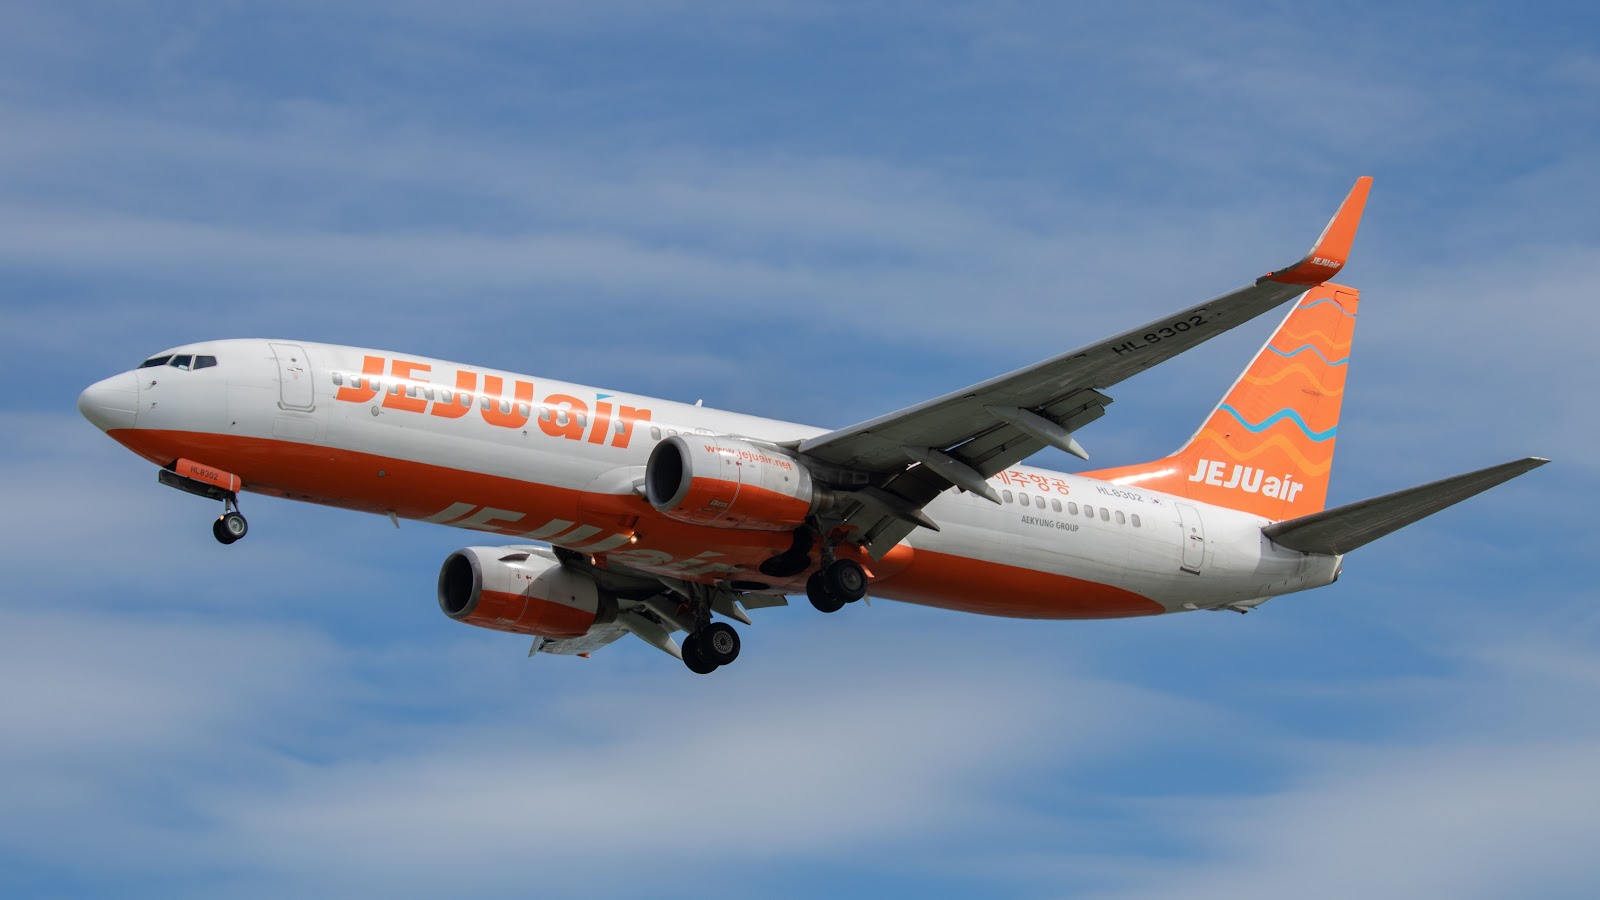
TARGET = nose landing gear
(230,526)
(214,484)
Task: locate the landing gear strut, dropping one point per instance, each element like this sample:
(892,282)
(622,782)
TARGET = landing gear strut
(230,526)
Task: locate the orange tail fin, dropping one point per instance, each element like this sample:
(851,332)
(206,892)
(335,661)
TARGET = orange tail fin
(1268,446)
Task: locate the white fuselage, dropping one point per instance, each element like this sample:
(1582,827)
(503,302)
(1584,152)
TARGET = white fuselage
(535,459)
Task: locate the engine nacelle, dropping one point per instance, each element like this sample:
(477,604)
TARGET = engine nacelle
(728,483)
(522,591)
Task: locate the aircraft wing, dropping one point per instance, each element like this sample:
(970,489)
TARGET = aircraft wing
(903,460)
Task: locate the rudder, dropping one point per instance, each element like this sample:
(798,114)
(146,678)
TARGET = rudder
(1267,448)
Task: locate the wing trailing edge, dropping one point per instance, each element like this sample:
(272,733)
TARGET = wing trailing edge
(1344,528)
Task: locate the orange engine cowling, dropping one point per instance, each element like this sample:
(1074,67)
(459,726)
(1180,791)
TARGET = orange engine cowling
(728,483)
(522,591)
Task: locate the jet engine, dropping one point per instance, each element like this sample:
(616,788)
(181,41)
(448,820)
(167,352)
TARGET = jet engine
(521,590)
(725,482)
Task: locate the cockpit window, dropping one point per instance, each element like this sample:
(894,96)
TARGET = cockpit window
(204,362)
(154,361)
(182,361)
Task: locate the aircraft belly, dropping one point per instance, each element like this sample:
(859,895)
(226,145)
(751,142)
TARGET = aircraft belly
(1042,564)
(988,559)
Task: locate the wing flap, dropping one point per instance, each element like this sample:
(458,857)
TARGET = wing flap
(597,637)
(990,452)
(1345,528)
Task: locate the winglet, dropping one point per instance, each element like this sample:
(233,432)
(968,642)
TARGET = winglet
(1332,249)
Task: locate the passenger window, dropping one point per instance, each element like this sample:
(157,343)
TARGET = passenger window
(1006,495)
(671,433)
(204,362)
(1121,519)
(1088,510)
(466,400)
(1055,505)
(505,407)
(1136,520)
(524,410)
(487,404)
(1022,498)
(181,362)
(617,425)
(1105,514)
(1039,501)
(338,378)
(561,417)
(1072,508)
(655,433)
(544,413)
(154,361)
(583,421)
(394,389)
(446,396)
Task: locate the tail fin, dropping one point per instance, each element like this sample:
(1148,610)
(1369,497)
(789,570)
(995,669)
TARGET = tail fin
(1268,446)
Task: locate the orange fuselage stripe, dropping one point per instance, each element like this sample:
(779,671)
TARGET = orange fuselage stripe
(370,483)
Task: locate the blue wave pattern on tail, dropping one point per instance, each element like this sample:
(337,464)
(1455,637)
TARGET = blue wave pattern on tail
(1291,415)
(1304,347)
(1345,312)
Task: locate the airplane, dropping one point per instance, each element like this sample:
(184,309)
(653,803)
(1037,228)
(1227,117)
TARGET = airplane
(628,514)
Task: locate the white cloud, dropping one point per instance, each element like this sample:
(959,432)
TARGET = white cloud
(87,521)
(265,756)
(1484,788)
(1442,820)
(1033,183)
(275,760)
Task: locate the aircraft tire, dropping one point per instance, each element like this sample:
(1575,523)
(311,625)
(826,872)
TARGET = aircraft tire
(220,532)
(693,658)
(718,643)
(817,592)
(846,580)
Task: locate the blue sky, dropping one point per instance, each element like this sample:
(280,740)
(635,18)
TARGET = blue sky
(819,212)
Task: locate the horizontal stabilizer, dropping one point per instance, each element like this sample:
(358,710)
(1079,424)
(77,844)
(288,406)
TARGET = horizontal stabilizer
(1345,528)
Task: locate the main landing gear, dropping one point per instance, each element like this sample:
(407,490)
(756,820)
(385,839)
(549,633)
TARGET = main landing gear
(709,645)
(230,526)
(839,582)
(717,644)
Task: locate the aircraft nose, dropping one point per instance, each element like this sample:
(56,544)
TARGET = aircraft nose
(111,404)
